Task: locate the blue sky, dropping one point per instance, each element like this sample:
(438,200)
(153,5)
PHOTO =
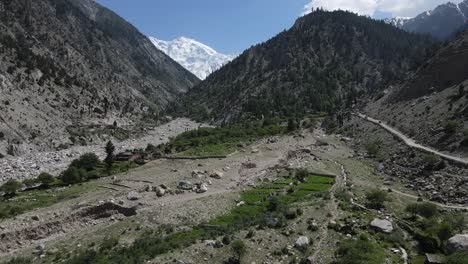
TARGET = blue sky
(230,26)
(227,26)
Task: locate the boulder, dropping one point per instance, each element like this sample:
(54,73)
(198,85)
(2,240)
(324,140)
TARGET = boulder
(241,203)
(185,185)
(216,174)
(160,191)
(202,189)
(132,196)
(457,243)
(302,242)
(382,225)
(210,243)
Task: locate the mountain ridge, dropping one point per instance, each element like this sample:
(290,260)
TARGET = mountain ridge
(441,22)
(75,62)
(307,68)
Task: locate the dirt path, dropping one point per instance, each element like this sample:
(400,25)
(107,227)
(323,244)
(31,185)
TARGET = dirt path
(411,142)
(415,197)
(340,182)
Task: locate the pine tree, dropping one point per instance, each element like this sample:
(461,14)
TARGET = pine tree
(110,148)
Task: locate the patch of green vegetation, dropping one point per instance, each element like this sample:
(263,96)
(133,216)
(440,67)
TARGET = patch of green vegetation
(376,199)
(452,126)
(49,193)
(267,208)
(373,148)
(360,251)
(457,258)
(221,140)
(37,198)
(432,228)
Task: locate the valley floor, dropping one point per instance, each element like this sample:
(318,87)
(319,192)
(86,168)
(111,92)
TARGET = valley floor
(68,227)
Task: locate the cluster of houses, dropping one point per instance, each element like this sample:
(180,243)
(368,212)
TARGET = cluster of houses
(138,156)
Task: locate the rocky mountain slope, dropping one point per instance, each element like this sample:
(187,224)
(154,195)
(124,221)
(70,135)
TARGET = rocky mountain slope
(196,57)
(324,61)
(441,22)
(74,62)
(432,105)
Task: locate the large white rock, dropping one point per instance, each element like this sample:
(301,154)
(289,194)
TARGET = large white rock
(203,188)
(382,225)
(457,243)
(302,242)
(132,196)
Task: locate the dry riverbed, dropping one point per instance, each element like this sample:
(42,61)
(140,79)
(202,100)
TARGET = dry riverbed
(54,162)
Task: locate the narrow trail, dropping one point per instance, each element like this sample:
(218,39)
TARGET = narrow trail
(411,142)
(340,181)
(344,178)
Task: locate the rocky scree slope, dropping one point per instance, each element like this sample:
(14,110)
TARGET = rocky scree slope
(73,61)
(432,106)
(325,60)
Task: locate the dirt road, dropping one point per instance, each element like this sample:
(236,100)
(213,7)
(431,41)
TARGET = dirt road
(411,142)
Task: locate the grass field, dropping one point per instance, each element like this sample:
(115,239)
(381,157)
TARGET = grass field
(58,192)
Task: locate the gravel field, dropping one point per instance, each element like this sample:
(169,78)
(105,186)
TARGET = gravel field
(54,162)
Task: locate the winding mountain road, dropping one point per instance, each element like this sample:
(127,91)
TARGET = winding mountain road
(411,142)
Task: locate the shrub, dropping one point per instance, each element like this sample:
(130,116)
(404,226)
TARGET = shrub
(376,198)
(301,175)
(423,209)
(45,179)
(226,240)
(73,175)
(457,258)
(30,182)
(109,243)
(452,126)
(239,248)
(151,148)
(87,161)
(2,135)
(11,187)
(457,220)
(445,231)
(373,148)
(361,251)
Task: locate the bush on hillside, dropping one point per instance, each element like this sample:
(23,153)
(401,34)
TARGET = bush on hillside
(376,199)
(11,187)
(88,161)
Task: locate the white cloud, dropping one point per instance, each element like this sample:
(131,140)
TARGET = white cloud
(369,7)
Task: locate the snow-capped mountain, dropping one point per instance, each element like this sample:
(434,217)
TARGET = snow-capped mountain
(397,21)
(442,22)
(196,57)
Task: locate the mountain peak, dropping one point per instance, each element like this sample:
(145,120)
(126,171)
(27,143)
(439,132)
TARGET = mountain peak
(441,22)
(195,56)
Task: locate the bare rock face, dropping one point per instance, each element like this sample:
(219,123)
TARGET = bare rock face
(457,243)
(69,62)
